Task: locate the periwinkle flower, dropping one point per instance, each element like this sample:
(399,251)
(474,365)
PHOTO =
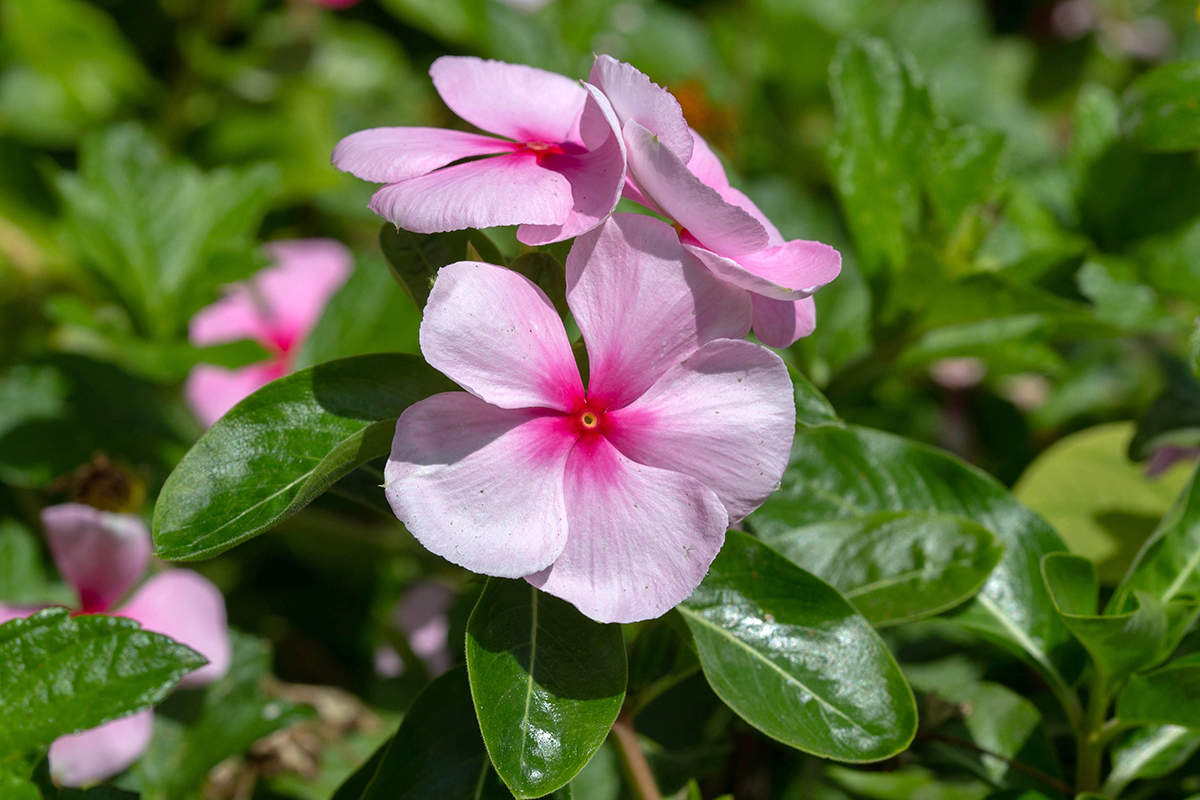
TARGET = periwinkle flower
(558,172)
(615,498)
(278,308)
(102,556)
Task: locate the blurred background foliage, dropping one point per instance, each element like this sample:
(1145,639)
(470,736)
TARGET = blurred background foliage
(1013,184)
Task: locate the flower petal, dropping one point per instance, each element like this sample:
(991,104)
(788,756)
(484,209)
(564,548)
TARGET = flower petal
(635,97)
(496,334)
(502,190)
(644,304)
(667,183)
(187,607)
(789,271)
(308,272)
(391,155)
(481,486)
(779,323)
(525,104)
(640,539)
(102,555)
(706,166)
(421,614)
(211,391)
(596,177)
(9,613)
(99,753)
(725,416)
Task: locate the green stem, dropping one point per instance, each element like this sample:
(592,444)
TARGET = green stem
(1092,736)
(638,776)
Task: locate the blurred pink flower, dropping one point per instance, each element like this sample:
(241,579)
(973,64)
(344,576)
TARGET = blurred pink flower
(103,556)
(672,171)
(616,498)
(277,308)
(421,616)
(558,171)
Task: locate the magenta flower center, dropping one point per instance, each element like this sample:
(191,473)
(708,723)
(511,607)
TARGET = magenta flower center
(542,150)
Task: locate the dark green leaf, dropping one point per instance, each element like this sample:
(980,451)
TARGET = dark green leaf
(547,683)
(22,577)
(60,675)
(794,659)
(849,474)
(1169,695)
(812,409)
(415,258)
(1150,753)
(283,446)
(353,787)
(896,567)
(1161,110)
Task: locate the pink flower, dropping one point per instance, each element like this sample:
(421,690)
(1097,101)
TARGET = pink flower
(102,556)
(673,171)
(616,498)
(277,308)
(557,173)
(422,617)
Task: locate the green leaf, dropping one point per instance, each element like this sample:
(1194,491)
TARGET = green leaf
(961,169)
(896,567)
(550,276)
(60,675)
(415,258)
(283,446)
(850,474)
(15,787)
(812,409)
(353,787)
(1119,644)
(906,783)
(438,752)
(1153,752)
(1101,503)
(1161,110)
(1169,695)
(547,682)
(22,576)
(883,123)
(794,659)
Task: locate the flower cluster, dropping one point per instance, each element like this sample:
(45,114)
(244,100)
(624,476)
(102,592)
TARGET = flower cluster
(614,496)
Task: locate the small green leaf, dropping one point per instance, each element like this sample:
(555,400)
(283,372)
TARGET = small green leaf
(60,675)
(1153,752)
(547,682)
(283,446)
(794,659)
(896,567)
(1169,695)
(1161,110)
(415,258)
(812,409)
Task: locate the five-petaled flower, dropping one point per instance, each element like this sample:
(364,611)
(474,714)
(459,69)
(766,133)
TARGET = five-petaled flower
(103,555)
(615,498)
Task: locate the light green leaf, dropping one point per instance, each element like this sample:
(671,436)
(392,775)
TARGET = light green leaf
(1169,695)
(961,169)
(1161,110)
(547,683)
(1153,752)
(283,446)
(61,674)
(896,567)
(794,659)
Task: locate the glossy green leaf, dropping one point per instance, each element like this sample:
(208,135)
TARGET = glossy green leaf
(415,258)
(59,674)
(1119,644)
(283,446)
(896,567)
(1153,752)
(812,408)
(1100,502)
(1161,110)
(794,659)
(1169,695)
(438,752)
(547,682)
(850,474)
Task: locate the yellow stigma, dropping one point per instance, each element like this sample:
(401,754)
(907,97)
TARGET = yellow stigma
(589,419)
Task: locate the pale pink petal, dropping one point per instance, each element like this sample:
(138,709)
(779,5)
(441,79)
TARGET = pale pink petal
(481,486)
(788,271)
(497,335)
(635,97)
(502,190)
(307,273)
(523,103)
(670,186)
(421,614)
(706,166)
(738,198)
(643,304)
(102,555)
(94,755)
(725,416)
(596,177)
(779,323)
(641,539)
(9,613)
(240,314)
(211,391)
(187,607)
(391,155)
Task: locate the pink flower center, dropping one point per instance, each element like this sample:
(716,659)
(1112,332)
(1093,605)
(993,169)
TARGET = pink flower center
(542,149)
(587,420)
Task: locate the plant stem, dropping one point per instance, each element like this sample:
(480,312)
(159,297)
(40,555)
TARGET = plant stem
(1092,737)
(633,760)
